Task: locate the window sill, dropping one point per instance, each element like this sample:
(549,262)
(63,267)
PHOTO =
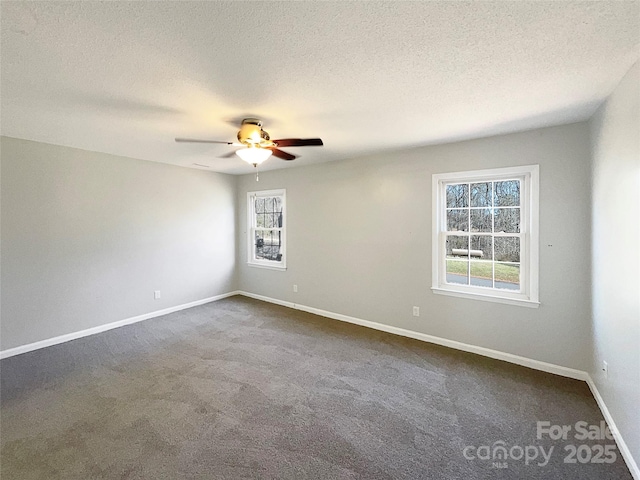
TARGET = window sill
(267,267)
(486,298)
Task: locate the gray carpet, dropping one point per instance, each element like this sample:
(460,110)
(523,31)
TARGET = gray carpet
(244,389)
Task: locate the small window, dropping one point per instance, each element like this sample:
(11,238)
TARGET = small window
(485,235)
(266,237)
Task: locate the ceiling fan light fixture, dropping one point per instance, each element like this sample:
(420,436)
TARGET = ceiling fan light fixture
(253,155)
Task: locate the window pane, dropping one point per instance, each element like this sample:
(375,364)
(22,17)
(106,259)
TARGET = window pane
(507,220)
(482,247)
(457,220)
(481,194)
(260,205)
(507,276)
(277,204)
(272,238)
(481,220)
(457,246)
(260,220)
(271,220)
(268,245)
(507,249)
(507,194)
(268,204)
(457,272)
(482,274)
(458,195)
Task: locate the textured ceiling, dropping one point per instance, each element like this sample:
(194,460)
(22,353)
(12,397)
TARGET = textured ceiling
(127,77)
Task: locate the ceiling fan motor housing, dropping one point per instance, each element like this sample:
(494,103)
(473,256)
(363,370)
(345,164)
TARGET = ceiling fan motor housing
(252,134)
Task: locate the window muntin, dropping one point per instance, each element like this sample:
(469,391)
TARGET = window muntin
(266,233)
(485,234)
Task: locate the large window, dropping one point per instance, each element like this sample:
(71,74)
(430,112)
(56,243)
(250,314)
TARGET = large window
(266,228)
(485,234)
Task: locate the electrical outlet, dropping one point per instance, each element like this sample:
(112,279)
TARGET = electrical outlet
(156,294)
(295,288)
(416,311)
(605,369)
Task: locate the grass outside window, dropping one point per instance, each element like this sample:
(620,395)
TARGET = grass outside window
(504,272)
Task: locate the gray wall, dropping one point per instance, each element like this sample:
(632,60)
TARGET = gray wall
(615,255)
(87,238)
(359,243)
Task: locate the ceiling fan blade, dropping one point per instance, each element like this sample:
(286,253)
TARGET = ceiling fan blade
(195,140)
(281,154)
(298,142)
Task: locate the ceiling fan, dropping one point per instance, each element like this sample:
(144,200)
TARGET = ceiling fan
(257,143)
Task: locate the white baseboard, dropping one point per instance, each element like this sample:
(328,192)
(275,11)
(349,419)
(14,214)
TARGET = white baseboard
(622,446)
(109,326)
(271,300)
(487,352)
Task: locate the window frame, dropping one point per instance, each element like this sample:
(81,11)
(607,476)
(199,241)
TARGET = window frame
(529,235)
(252,261)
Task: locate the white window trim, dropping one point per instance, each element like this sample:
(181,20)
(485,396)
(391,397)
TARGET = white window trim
(251,260)
(529,227)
